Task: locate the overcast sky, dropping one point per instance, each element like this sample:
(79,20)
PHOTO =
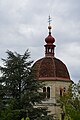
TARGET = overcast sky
(23,25)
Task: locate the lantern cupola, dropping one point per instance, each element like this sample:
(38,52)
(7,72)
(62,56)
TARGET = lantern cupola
(49,47)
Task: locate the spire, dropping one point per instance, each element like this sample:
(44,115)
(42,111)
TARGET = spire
(49,27)
(49,47)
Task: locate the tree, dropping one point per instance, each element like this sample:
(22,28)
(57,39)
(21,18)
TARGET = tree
(1,97)
(70,102)
(20,91)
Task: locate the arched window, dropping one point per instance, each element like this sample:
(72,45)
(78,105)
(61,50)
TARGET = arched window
(44,91)
(49,50)
(48,92)
(60,92)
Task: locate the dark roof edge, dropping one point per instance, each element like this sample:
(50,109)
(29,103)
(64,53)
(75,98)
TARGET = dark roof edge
(55,79)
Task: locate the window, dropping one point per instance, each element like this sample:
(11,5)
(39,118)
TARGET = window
(46,92)
(49,50)
(60,92)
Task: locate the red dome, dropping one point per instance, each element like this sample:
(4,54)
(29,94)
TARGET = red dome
(49,39)
(50,68)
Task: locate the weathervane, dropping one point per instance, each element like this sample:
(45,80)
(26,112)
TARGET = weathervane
(49,20)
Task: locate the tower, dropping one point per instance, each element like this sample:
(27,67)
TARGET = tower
(49,47)
(54,73)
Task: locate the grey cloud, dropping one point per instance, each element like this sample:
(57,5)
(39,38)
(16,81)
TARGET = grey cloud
(23,24)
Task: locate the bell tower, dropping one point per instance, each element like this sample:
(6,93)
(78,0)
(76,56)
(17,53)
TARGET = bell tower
(54,73)
(49,47)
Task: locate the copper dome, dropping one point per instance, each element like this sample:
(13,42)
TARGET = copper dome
(51,68)
(49,39)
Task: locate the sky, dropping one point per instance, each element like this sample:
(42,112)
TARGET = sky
(23,25)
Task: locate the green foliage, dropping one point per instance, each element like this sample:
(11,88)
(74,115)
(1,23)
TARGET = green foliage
(70,102)
(19,91)
(27,118)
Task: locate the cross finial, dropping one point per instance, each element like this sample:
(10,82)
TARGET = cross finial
(49,20)
(49,27)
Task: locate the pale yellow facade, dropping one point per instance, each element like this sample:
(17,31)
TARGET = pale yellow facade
(52,103)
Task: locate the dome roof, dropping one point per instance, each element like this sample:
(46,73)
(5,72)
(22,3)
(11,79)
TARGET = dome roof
(49,39)
(51,68)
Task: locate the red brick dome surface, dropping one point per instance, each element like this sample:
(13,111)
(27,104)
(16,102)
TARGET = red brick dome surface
(51,68)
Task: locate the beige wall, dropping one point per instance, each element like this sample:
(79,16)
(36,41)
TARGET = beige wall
(54,95)
(55,87)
